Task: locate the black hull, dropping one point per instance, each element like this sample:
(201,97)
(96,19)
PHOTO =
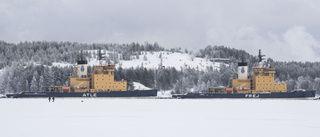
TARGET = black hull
(300,94)
(134,93)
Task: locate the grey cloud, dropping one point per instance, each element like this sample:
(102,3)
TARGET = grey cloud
(277,27)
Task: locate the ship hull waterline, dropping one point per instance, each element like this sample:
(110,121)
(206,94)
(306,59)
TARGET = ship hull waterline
(301,94)
(134,93)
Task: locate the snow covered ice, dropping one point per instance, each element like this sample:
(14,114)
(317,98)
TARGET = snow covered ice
(158,117)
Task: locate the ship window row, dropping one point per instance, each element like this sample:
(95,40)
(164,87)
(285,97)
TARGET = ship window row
(106,83)
(263,77)
(264,81)
(103,75)
(265,84)
(109,86)
(103,79)
(110,83)
(271,88)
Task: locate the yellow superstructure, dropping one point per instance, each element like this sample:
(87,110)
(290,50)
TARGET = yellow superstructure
(261,81)
(101,80)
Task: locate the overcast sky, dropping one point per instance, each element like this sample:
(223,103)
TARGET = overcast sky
(284,29)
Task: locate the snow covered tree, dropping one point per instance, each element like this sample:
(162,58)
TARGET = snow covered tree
(317,84)
(3,80)
(9,84)
(51,77)
(27,86)
(34,84)
(18,86)
(9,88)
(41,83)
(290,84)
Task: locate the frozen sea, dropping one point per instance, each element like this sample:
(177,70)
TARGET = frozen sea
(103,117)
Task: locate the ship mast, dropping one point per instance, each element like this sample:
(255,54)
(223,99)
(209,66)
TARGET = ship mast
(100,57)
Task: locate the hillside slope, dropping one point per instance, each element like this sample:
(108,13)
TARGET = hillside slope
(152,60)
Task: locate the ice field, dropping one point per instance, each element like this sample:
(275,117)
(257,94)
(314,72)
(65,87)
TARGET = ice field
(131,117)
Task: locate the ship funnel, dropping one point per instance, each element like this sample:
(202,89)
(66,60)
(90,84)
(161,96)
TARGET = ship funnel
(82,67)
(242,70)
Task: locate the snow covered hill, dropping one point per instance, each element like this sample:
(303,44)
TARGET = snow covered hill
(139,86)
(152,60)
(177,60)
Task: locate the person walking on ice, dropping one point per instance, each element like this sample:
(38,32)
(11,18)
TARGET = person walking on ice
(52,99)
(49,99)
